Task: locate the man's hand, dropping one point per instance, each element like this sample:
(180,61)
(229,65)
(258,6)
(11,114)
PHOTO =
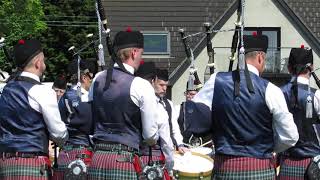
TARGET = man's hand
(182,149)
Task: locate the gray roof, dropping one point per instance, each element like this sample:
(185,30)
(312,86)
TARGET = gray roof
(305,16)
(166,15)
(171,15)
(309,12)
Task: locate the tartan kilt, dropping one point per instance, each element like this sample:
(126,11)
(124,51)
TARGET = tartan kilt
(17,168)
(293,168)
(239,168)
(112,165)
(66,156)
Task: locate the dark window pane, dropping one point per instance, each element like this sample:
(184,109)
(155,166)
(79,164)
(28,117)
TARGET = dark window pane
(156,44)
(273,54)
(273,62)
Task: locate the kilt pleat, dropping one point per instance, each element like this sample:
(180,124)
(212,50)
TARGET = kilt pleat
(112,165)
(293,168)
(65,158)
(244,168)
(16,168)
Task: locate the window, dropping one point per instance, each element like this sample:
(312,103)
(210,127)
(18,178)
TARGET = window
(273,60)
(156,42)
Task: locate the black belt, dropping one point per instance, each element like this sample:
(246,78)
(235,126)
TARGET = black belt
(22,154)
(105,146)
(69,147)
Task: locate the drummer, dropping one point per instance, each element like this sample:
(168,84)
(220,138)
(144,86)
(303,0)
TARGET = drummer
(250,118)
(164,147)
(191,90)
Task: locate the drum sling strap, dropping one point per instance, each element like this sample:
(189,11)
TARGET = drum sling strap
(168,108)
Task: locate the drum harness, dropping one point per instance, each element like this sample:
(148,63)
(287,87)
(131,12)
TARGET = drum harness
(152,170)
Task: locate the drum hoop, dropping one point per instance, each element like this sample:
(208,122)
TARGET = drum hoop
(205,174)
(199,148)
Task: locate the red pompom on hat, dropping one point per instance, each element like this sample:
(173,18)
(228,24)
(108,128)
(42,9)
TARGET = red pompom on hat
(21,41)
(141,62)
(25,51)
(128,39)
(128,29)
(254,33)
(302,46)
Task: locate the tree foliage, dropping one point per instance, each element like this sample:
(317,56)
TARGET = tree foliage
(58,24)
(19,19)
(68,24)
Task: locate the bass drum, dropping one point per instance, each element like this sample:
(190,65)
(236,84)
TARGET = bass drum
(192,166)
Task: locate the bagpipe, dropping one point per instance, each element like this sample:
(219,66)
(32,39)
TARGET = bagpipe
(192,70)
(210,67)
(2,45)
(4,75)
(235,37)
(313,74)
(210,51)
(208,31)
(104,28)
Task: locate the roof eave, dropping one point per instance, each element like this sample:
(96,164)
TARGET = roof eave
(183,66)
(297,22)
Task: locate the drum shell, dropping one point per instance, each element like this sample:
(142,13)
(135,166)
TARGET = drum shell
(180,175)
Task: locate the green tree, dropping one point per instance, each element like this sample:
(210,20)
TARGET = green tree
(58,24)
(68,24)
(19,19)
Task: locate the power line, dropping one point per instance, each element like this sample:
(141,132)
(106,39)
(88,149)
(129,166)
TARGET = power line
(79,22)
(70,25)
(94,17)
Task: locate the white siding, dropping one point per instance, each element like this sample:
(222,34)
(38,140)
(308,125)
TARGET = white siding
(258,13)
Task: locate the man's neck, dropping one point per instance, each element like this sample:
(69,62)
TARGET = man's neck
(306,75)
(33,71)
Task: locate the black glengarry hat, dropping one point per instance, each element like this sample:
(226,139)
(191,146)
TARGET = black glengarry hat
(255,43)
(127,39)
(25,51)
(300,56)
(147,70)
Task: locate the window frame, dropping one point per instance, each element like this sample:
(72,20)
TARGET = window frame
(259,31)
(276,49)
(167,33)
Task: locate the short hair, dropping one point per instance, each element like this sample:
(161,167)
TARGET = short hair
(74,78)
(251,54)
(124,54)
(32,61)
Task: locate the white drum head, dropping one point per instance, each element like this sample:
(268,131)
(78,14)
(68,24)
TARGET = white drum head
(192,163)
(202,150)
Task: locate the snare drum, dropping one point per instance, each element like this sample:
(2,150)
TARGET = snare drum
(192,165)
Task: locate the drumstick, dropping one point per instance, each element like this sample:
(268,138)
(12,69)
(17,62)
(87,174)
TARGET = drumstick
(190,146)
(205,143)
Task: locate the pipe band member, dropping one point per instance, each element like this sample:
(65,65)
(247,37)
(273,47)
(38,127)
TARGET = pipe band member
(29,117)
(294,161)
(247,126)
(123,112)
(77,114)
